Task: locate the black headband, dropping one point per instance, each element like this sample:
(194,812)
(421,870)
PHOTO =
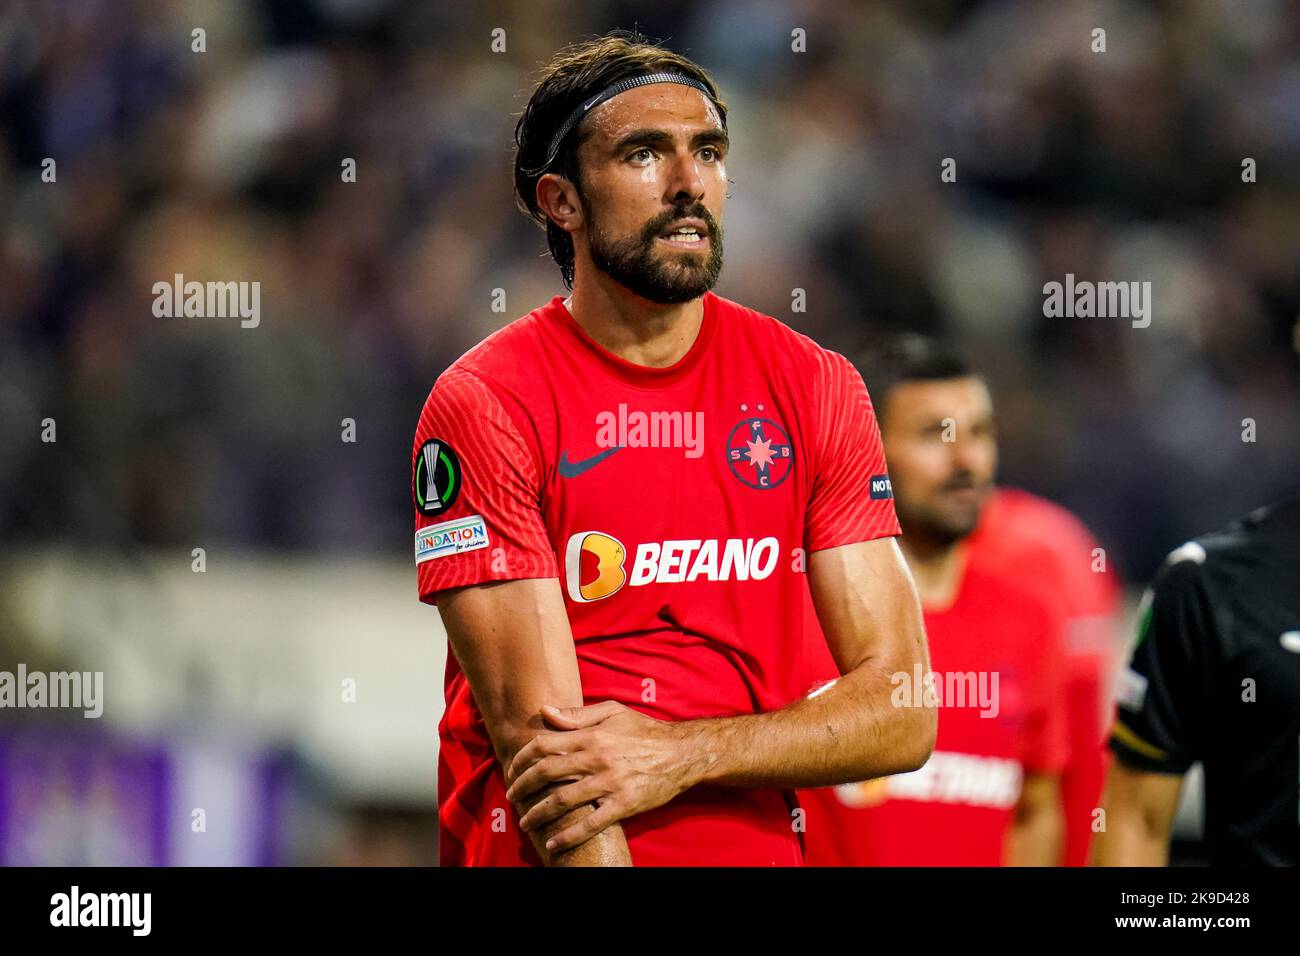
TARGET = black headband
(609,92)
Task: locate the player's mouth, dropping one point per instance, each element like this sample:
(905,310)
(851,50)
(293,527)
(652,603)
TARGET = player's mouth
(964,496)
(964,490)
(689,234)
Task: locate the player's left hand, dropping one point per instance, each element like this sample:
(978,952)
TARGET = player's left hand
(613,756)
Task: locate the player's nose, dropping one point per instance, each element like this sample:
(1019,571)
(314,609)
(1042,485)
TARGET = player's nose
(963,455)
(685,181)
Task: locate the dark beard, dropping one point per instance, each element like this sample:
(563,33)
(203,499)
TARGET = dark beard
(941,526)
(940,530)
(680,277)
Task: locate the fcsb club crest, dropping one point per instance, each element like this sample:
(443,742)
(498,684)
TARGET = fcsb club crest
(759,453)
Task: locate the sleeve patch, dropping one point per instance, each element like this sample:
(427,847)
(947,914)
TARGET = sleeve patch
(1131,691)
(436,477)
(450,537)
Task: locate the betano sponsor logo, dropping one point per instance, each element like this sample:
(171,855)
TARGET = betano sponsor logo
(946,777)
(594,562)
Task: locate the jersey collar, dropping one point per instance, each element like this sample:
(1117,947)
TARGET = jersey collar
(644,376)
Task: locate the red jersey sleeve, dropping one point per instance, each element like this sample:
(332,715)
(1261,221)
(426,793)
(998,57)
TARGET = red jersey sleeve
(852,499)
(476,490)
(1046,739)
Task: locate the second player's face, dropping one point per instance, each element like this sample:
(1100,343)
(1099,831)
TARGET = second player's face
(941,448)
(655,159)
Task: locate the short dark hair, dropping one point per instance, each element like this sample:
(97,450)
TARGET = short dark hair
(576,73)
(909,358)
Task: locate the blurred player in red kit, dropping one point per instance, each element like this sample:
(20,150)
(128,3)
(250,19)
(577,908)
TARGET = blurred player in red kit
(622,500)
(1049,548)
(992,791)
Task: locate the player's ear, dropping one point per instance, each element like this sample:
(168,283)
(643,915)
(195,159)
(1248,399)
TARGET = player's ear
(557,198)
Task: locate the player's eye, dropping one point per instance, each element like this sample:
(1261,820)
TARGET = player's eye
(714,156)
(644,149)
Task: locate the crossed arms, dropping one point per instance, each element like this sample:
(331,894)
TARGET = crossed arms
(573,772)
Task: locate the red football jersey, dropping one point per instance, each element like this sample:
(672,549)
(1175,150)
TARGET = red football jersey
(675,506)
(1043,544)
(996,656)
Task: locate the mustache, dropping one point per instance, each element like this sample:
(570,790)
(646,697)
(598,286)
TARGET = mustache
(657,225)
(963,481)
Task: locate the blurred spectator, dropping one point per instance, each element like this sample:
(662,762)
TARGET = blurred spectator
(226,165)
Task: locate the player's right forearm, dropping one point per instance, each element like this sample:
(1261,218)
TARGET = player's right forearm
(607,848)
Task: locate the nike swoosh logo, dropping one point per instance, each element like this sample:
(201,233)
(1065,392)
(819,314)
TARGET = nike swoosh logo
(572,469)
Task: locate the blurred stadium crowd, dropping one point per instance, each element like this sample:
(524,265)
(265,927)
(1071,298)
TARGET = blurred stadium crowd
(225,165)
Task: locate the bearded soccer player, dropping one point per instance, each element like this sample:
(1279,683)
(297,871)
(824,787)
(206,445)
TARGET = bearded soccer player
(622,499)
(990,793)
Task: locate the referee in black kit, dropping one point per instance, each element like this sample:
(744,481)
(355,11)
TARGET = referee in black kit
(1215,677)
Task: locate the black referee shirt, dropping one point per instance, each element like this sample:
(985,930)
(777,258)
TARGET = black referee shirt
(1215,677)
